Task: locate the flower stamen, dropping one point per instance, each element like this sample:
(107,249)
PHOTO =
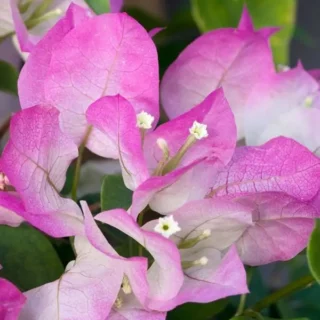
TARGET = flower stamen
(162,144)
(189,243)
(199,262)
(198,131)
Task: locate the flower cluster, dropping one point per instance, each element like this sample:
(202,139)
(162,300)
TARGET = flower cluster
(93,81)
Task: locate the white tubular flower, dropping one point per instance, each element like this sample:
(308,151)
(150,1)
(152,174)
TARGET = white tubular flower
(167,226)
(144,120)
(199,130)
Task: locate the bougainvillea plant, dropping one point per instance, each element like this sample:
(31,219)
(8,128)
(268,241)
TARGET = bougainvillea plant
(196,213)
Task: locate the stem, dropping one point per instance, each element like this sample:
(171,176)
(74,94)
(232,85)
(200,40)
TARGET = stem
(140,251)
(77,175)
(140,218)
(71,239)
(243,297)
(242,304)
(287,290)
(140,222)
(4,128)
(78,164)
(130,247)
(254,315)
(175,160)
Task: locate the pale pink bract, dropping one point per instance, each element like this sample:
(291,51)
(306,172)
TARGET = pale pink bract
(234,59)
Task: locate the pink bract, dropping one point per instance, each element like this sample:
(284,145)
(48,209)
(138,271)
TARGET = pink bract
(289,105)
(88,288)
(36,167)
(223,275)
(235,59)
(281,227)
(11,300)
(214,111)
(280,165)
(35,71)
(10,205)
(107,55)
(193,176)
(77,61)
(118,137)
(165,275)
(26,40)
(135,313)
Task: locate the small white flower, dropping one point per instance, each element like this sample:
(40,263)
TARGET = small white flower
(202,261)
(199,130)
(308,101)
(144,120)
(167,226)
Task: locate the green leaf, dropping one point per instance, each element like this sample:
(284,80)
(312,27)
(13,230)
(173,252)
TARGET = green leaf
(308,299)
(213,14)
(249,315)
(114,193)
(27,257)
(257,287)
(264,318)
(147,20)
(313,252)
(8,78)
(99,6)
(199,311)
(69,180)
